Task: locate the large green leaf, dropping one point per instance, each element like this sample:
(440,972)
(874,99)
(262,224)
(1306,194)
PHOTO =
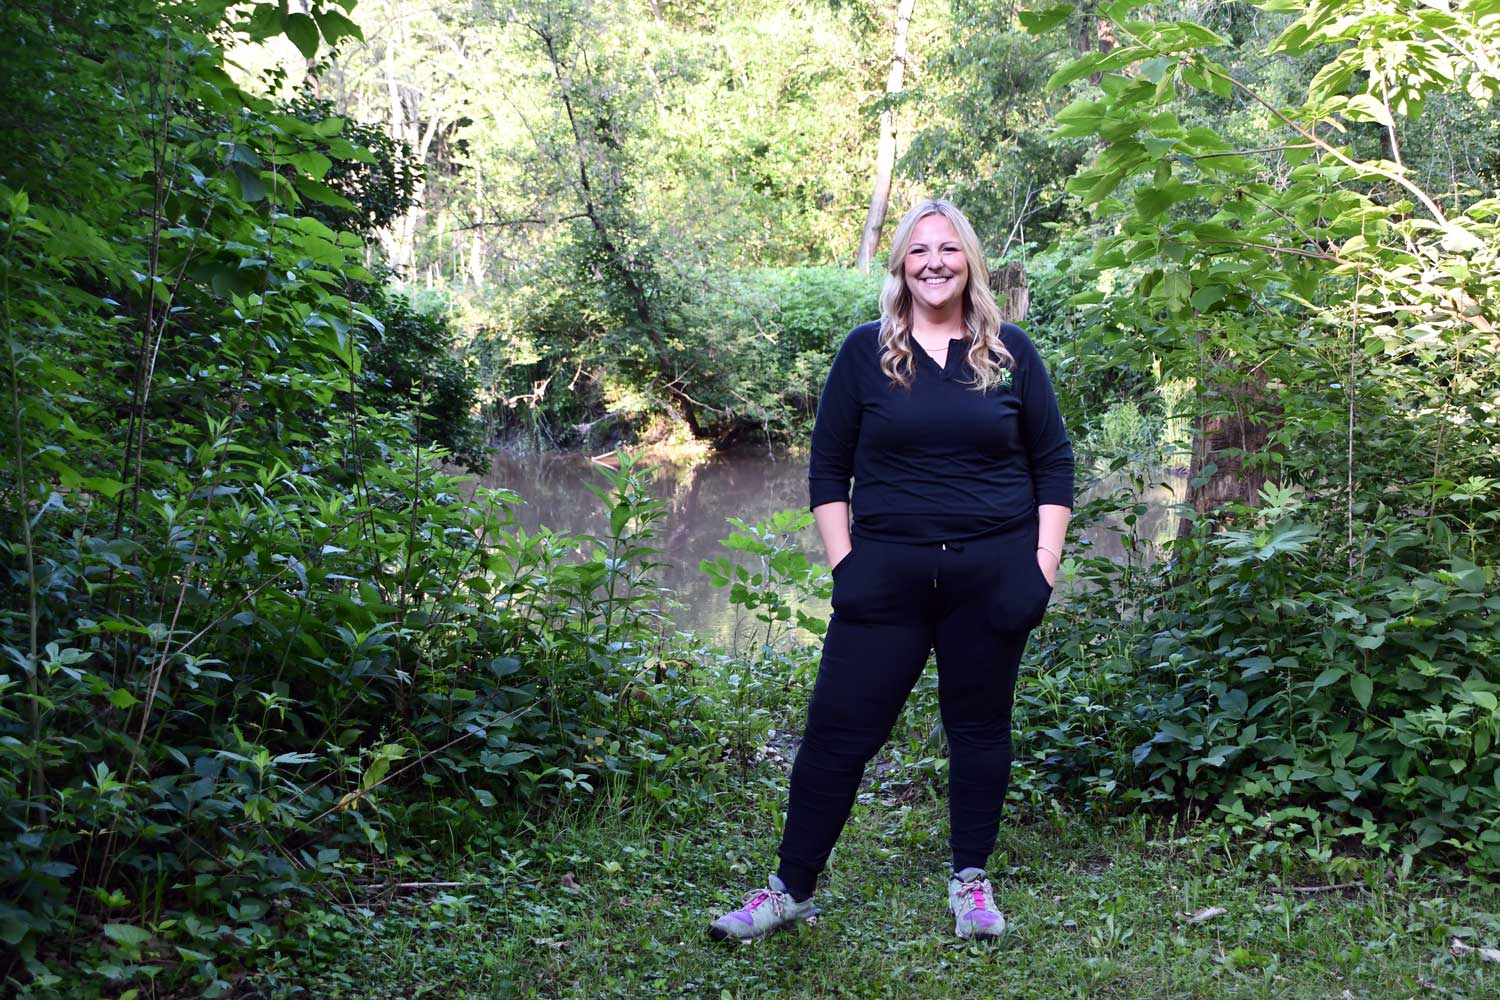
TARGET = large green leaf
(303,31)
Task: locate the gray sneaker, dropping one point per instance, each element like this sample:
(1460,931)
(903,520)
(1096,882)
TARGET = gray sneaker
(972,902)
(764,911)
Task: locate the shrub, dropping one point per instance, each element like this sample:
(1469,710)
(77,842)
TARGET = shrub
(410,362)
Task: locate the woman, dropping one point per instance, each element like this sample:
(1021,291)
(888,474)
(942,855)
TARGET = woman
(963,485)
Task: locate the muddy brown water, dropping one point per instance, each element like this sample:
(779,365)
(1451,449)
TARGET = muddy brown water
(699,498)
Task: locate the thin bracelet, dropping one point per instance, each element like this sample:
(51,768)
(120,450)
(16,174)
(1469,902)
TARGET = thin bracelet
(1055,554)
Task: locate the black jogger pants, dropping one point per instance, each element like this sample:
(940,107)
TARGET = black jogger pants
(975,603)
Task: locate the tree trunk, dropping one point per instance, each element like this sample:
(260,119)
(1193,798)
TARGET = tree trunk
(596,213)
(1095,33)
(1011,292)
(885,158)
(1225,437)
(405,111)
(476,244)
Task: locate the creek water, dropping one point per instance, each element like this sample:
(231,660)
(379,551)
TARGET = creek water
(750,485)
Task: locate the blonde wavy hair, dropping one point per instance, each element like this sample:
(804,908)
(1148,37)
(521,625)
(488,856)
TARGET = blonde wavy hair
(988,359)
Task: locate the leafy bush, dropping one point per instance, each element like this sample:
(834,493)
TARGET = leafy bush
(1268,683)
(410,362)
(771,678)
(1317,664)
(253,637)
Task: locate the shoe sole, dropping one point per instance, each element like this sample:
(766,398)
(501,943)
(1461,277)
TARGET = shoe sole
(717,933)
(989,935)
(975,935)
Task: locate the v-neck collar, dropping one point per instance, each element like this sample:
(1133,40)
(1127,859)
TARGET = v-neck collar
(948,363)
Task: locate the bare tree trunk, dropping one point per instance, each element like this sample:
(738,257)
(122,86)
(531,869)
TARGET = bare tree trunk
(1224,437)
(309,78)
(405,101)
(885,158)
(1095,33)
(1011,292)
(476,243)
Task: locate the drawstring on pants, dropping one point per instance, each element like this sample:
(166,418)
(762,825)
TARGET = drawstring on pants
(945,547)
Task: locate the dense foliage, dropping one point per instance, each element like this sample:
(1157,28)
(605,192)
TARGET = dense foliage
(1321,658)
(241,600)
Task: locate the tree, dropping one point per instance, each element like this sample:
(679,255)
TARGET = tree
(986,134)
(885,158)
(1314,219)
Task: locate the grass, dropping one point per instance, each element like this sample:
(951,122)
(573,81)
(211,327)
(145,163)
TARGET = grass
(610,903)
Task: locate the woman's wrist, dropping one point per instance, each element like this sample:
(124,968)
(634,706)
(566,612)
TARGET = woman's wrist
(1049,572)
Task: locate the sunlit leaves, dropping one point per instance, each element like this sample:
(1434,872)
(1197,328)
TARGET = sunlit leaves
(1044,20)
(335,26)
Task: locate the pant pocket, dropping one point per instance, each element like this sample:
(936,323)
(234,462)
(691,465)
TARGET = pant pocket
(859,591)
(1044,596)
(841,579)
(1020,596)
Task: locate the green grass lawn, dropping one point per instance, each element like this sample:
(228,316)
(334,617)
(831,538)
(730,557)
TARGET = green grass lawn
(605,905)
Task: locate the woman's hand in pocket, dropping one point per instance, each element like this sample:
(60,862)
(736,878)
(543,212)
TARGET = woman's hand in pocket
(1047,563)
(835,563)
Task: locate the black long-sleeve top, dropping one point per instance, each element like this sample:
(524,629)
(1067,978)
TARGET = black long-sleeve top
(938,461)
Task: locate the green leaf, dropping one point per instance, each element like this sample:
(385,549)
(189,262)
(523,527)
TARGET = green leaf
(1460,240)
(13,927)
(1235,703)
(335,26)
(1153,201)
(264,21)
(102,485)
(376,772)
(513,758)
(303,31)
(1363,688)
(1218,80)
(252,188)
(310,162)
(318,191)
(619,516)
(504,666)
(1327,677)
(1175,289)
(1038,21)
(1081,118)
(1368,108)
(127,935)
(1199,34)
(1205,297)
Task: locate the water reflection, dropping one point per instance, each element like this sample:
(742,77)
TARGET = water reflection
(750,485)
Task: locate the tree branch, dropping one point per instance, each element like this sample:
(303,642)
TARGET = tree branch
(1251,152)
(522,221)
(1333,151)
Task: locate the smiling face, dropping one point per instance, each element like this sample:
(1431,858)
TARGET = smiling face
(935,267)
